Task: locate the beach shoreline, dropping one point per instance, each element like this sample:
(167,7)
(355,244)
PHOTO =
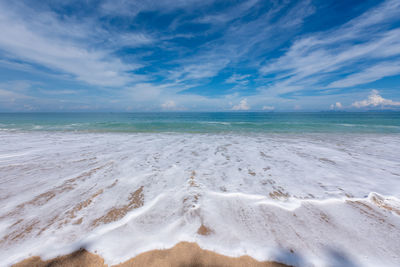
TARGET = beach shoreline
(182,254)
(293,199)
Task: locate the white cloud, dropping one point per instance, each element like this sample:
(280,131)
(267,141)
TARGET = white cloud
(375,100)
(242,41)
(63,50)
(169,105)
(131,8)
(84,48)
(243,105)
(132,39)
(204,68)
(233,13)
(368,75)
(313,58)
(270,108)
(337,105)
(238,79)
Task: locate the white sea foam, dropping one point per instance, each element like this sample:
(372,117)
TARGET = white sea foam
(301,199)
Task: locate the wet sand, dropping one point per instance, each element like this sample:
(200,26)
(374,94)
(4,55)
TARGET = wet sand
(182,254)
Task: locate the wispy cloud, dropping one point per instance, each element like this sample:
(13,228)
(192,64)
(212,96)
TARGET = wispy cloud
(243,41)
(152,55)
(132,8)
(317,58)
(368,75)
(61,51)
(238,79)
(205,69)
(87,50)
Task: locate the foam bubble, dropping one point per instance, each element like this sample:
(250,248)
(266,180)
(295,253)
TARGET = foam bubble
(301,199)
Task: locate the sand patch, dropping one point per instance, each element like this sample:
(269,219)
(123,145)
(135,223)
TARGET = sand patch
(279,193)
(365,209)
(113,184)
(136,200)
(204,230)
(386,204)
(20,233)
(183,254)
(251,172)
(83,204)
(45,197)
(192,181)
(78,258)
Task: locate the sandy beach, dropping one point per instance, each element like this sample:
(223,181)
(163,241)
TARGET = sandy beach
(182,254)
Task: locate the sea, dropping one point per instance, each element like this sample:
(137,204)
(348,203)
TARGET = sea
(304,189)
(206,122)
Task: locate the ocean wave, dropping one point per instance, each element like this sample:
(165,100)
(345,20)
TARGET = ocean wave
(260,195)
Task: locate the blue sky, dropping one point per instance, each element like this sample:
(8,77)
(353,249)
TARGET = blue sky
(199,55)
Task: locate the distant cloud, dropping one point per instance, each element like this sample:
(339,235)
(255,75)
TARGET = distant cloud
(169,105)
(375,100)
(243,105)
(337,105)
(270,108)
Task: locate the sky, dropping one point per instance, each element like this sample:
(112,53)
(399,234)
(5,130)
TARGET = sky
(199,55)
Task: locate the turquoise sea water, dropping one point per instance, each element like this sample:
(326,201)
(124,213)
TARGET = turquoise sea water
(337,122)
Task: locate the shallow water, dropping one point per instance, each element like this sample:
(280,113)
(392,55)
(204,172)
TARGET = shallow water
(306,199)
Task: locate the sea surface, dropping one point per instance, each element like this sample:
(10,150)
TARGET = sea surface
(202,122)
(305,189)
